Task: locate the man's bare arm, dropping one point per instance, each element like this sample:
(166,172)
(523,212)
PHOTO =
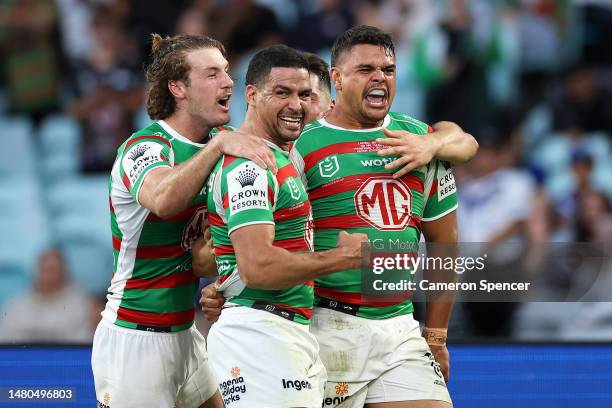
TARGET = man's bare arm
(168,191)
(265,266)
(442,231)
(448,142)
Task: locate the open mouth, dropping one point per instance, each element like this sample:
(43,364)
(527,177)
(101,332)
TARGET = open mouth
(291,122)
(377,98)
(224,102)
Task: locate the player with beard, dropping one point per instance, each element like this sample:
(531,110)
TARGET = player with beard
(146,349)
(261,348)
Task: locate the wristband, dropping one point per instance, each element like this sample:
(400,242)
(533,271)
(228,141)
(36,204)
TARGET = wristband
(435,337)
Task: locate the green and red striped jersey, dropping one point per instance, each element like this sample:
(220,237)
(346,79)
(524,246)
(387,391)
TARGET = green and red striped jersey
(153,283)
(350,189)
(241,193)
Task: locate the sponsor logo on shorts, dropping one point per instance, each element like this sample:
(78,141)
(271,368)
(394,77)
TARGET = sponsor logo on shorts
(232,389)
(342,390)
(437,369)
(297,385)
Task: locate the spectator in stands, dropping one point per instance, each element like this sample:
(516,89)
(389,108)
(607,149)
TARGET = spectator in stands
(29,55)
(317,31)
(495,202)
(53,311)
(583,105)
(243,26)
(110,91)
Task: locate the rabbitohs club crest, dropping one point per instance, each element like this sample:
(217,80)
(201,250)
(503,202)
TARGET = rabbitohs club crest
(194,228)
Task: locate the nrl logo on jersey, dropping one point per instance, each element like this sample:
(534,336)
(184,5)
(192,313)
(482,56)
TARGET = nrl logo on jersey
(329,166)
(294,189)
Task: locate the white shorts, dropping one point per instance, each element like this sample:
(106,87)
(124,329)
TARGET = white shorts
(374,361)
(265,361)
(134,368)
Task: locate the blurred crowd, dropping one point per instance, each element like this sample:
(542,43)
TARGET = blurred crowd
(530,79)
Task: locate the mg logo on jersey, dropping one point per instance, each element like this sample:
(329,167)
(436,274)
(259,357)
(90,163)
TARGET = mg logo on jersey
(384,203)
(329,166)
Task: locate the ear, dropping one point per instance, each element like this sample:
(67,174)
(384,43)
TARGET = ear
(336,78)
(177,89)
(250,95)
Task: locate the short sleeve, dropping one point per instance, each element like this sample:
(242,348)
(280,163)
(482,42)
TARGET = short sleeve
(248,195)
(140,156)
(440,191)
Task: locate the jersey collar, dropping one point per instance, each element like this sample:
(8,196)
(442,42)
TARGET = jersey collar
(177,135)
(273,146)
(386,122)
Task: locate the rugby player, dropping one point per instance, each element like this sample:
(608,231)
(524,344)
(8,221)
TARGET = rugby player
(340,163)
(146,350)
(261,348)
(321,87)
(373,350)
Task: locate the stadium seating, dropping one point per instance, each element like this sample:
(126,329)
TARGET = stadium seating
(19,159)
(60,145)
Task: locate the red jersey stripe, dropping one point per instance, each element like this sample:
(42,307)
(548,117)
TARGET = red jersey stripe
(163,282)
(116,243)
(214,220)
(355,298)
(224,250)
(300,210)
(156,319)
(293,244)
(159,251)
(304,311)
(285,172)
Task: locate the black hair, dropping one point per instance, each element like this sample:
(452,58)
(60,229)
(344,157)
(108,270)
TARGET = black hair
(361,34)
(320,68)
(276,56)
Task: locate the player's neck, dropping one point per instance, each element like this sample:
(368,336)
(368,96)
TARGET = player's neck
(188,127)
(253,126)
(347,120)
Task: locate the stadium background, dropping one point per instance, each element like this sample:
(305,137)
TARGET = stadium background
(530,79)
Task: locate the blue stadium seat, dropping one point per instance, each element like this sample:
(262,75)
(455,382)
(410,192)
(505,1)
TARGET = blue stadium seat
(87,246)
(23,220)
(60,146)
(553,154)
(83,195)
(19,159)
